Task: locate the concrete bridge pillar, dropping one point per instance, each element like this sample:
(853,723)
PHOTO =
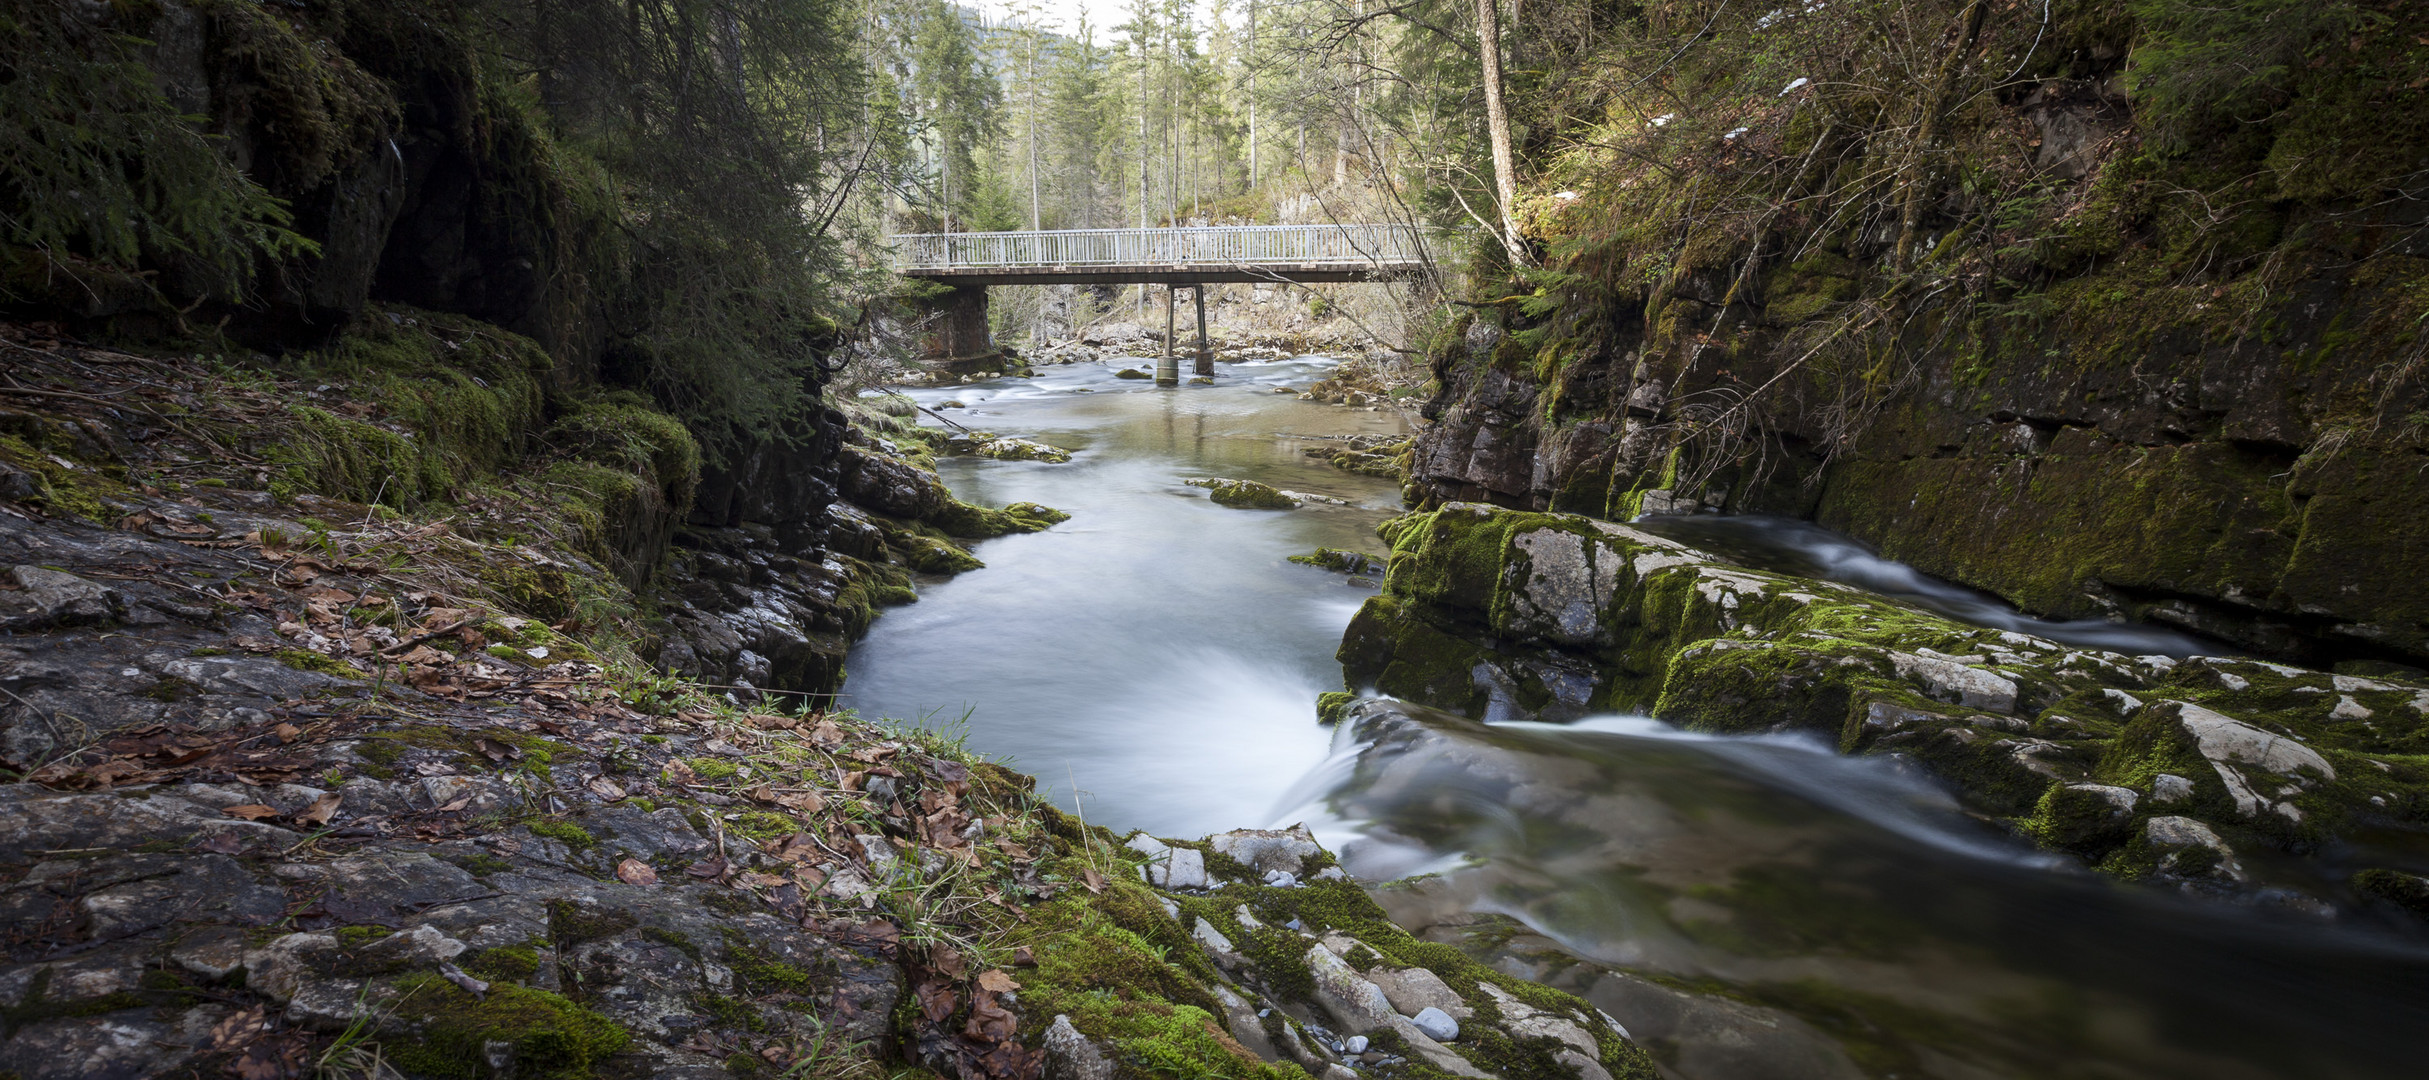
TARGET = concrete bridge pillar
(1168,366)
(956,335)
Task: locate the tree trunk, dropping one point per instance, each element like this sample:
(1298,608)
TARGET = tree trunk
(1497,122)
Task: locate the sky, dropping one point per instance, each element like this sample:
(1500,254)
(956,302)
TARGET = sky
(1063,15)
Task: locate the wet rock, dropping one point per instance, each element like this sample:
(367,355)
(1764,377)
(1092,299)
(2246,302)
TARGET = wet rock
(1244,494)
(120,1045)
(42,599)
(1070,1056)
(1357,1004)
(1010,449)
(1437,1024)
(34,820)
(1414,990)
(1170,867)
(1268,850)
(2190,848)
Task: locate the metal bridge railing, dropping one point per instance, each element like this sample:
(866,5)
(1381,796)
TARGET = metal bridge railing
(1231,245)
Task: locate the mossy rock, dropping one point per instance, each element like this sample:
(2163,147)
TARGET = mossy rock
(1245,494)
(447,1032)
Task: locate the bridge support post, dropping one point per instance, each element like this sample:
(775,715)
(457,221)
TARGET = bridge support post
(957,339)
(1168,366)
(1205,365)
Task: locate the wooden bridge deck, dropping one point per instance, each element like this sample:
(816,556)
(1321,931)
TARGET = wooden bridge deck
(1247,253)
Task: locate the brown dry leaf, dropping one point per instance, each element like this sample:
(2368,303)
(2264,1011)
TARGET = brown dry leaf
(1024,956)
(766,722)
(826,735)
(287,733)
(808,802)
(321,810)
(947,961)
(424,654)
(236,1031)
(605,788)
(497,751)
(636,872)
(681,773)
(761,794)
(708,869)
(1095,881)
(995,981)
(251,812)
(456,805)
(874,754)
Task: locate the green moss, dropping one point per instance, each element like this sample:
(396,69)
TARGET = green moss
(2409,892)
(350,938)
(61,490)
(762,973)
(1332,705)
(713,768)
(1340,561)
(564,832)
(760,825)
(508,963)
(1246,495)
(571,924)
(538,1033)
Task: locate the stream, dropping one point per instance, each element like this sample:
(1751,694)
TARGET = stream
(1752,907)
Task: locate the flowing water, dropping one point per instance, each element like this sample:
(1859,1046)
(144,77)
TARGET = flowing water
(1780,910)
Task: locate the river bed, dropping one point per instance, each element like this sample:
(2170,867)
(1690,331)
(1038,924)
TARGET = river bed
(1780,910)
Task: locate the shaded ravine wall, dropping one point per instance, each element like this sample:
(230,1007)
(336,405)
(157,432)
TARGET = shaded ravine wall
(2132,412)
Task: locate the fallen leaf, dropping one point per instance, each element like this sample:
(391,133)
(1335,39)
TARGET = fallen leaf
(237,1030)
(636,872)
(708,869)
(1095,881)
(459,804)
(995,981)
(498,751)
(1024,956)
(947,960)
(605,788)
(321,810)
(826,735)
(251,811)
(766,722)
(807,802)
(287,733)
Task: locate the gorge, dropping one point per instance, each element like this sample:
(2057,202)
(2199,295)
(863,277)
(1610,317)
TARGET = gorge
(1874,540)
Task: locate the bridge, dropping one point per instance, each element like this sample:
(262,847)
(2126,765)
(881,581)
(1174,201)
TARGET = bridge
(1231,253)
(1189,258)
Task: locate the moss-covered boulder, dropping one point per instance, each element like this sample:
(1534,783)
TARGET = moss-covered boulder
(1012,449)
(1245,494)
(1499,613)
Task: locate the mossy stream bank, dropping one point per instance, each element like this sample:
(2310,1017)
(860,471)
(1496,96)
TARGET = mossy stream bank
(303,782)
(2147,767)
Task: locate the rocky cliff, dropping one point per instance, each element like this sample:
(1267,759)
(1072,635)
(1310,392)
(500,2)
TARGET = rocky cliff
(2074,327)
